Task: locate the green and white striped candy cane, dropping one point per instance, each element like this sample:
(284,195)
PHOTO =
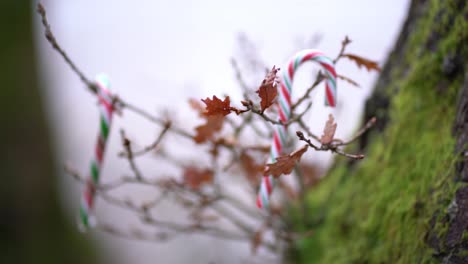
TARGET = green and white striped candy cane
(105,117)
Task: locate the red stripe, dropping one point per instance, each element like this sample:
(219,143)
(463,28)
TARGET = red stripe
(285,94)
(310,56)
(277,142)
(99,153)
(106,105)
(89,194)
(291,70)
(329,68)
(268,184)
(259,201)
(329,94)
(103,89)
(100,142)
(281,113)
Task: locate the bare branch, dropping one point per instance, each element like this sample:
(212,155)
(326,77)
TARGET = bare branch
(129,155)
(153,145)
(346,41)
(51,38)
(331,147)
(363,130)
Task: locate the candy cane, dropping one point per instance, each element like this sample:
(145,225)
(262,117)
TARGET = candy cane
(105,111)
(284,110)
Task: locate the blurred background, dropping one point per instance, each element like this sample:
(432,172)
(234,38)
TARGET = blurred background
(157,54)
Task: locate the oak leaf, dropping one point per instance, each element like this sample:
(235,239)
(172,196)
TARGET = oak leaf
(257,240)
(216,106)
(206,131)
(285,164)
(267,90)
(360,61)
(328,131)
(251,168)
(200,217)
(195,177)
(196,105)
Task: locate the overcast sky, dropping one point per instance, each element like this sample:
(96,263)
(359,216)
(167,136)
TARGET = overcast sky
(159,53)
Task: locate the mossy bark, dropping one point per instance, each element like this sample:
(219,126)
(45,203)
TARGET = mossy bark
(407,201)
(33,227)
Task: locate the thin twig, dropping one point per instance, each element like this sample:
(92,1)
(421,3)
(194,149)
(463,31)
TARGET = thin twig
(346,41)
(318,80)
(153,145)
(152,118)
(326,147)
(240,79)
(363,130)
(129,155)
(51,38)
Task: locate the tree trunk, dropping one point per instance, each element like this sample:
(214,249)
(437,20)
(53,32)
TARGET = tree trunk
(407,201)
(33,228)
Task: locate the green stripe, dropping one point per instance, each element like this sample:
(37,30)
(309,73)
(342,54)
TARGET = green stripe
(94,171)
(330,77)
(265,201)
(325,59)
(285,108)
(84,217)
(283,138)
(104,128)
(286,81)
(297,61)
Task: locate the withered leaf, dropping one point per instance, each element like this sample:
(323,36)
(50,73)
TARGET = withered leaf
(285,164)
(360,61)
(197,106)
(195,177)
(267,90)
(215,106)
(328,131)
(349,80)
(257,239)
(251,168)
(199,216)
(206,131)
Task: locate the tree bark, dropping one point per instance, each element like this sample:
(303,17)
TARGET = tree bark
(407,201)
(33,228)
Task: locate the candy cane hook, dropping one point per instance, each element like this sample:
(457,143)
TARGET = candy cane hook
(284,109)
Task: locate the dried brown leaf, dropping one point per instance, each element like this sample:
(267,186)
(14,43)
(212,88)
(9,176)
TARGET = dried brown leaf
(215,106)
(267,90)
(251,168)
(200,217)
(285,164)
(257,240)
(328,131)
(196,105)
(360,61)
(206,131)
(195,177)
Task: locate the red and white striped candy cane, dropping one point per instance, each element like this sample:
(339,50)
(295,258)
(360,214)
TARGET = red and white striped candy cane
(284,109)
(105,117)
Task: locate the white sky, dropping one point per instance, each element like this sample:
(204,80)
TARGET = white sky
(160,53)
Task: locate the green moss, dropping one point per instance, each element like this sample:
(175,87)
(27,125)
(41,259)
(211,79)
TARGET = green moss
(380,210)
